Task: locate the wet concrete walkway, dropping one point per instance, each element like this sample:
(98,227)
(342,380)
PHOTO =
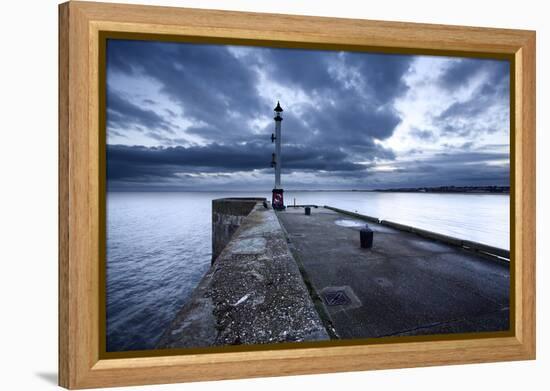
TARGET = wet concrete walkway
(404,285)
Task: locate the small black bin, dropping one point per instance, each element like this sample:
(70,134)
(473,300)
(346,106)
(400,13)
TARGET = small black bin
(308,210)
(366,236)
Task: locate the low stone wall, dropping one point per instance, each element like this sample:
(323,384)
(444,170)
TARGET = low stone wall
(227,216)
(467,244)
(252,294)
(354,214)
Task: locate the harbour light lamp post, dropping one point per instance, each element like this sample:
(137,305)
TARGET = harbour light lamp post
(277,196)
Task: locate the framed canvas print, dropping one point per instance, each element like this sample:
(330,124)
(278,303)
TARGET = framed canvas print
(247,195)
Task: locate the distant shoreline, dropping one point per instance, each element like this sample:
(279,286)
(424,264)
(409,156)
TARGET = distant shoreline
(437,190)
(452,189)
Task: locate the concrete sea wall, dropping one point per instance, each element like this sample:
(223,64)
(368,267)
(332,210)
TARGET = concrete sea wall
(467,244)
(227,216)
(253,293)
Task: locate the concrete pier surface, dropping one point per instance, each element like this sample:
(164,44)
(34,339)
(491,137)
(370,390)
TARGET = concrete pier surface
(404,285)
(253,293)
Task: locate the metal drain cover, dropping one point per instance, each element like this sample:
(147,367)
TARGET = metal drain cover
(334,298)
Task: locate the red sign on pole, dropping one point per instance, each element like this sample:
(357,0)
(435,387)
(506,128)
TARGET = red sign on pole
(277,199)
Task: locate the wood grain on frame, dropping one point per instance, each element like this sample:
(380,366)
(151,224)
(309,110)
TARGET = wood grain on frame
(80,218)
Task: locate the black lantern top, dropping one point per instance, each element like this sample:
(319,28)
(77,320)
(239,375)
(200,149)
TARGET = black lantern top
(278,109)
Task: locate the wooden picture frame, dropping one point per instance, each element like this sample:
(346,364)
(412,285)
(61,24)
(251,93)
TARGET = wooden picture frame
(81,24)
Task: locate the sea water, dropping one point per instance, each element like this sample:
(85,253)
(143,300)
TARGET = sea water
(159,244)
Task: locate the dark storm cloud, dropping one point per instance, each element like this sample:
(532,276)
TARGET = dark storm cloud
(461,71)
(325,71)
(450,158)
(137,162)
(417,174)
(308,70)
(383,73)
(353,92)
(493,91)
(455,167)
(207,81)
(121,114)
(425,135)
(218,91)
(216,88)
(455,171)
(349,108)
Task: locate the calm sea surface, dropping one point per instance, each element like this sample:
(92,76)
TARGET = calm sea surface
(158,244)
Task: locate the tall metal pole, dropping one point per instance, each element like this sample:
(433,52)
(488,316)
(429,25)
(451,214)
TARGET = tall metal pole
(277,199)
(278,120)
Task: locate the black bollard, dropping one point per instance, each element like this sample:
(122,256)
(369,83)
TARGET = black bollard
(366,235)
(308,210)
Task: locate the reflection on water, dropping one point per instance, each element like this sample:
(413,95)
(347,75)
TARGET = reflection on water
(349,223)
(159,244)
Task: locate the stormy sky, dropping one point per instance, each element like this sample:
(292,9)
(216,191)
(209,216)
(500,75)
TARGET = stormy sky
(199,117)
